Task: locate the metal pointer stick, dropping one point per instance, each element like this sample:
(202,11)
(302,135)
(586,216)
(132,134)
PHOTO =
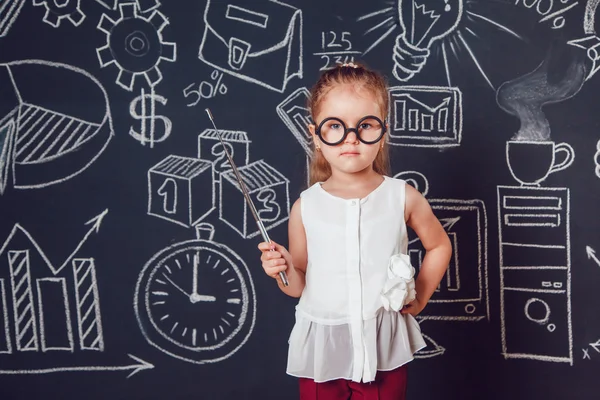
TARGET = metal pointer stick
(263,231)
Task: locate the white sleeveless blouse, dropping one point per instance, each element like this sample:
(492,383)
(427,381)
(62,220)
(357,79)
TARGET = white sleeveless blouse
(342,329)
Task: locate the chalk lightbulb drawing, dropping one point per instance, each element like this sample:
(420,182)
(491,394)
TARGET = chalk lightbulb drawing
(423,25)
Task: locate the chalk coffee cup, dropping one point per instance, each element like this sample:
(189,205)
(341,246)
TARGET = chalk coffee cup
(530,162)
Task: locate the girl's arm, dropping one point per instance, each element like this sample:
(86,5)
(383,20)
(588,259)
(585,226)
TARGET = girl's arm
(293,262)
(438,250)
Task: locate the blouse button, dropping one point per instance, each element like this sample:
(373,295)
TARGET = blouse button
(353,202)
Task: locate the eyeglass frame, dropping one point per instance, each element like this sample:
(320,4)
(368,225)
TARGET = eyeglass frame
(355,130)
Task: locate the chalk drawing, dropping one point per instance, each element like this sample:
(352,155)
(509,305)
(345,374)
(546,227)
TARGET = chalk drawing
(147,5)
(295,114)
(57,11)
(336,48)
(43,139)
(535,273)
(597,159)
(139,365)
(135,45)
(425,116)
(177,190)
(48,307)
(431,350)
(9,11)
(143,109)
(463,293)
(269,190)
(550,10)
(108,4)
(591,253)
(525,96)
(195,300)
(425,27)
(268,32)
(206,89)
(520,153)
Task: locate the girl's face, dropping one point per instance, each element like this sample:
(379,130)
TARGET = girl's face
(349,103)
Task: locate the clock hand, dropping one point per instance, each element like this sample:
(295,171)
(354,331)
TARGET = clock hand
(174,284)
(195,276)
(194,298)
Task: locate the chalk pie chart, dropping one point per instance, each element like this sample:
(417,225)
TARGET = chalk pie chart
(55,122)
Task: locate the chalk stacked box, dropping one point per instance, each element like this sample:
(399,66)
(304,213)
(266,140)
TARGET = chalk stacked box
(179,190)
(269,191)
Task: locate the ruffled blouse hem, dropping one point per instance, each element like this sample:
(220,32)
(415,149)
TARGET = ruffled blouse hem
(348,377)
(328,352)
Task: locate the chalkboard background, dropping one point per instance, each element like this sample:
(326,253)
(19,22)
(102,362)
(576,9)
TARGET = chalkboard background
(114,191)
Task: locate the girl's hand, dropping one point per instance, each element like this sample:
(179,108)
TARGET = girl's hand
(413,308)
(274,261)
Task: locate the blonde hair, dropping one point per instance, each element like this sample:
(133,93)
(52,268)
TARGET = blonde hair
(357,74)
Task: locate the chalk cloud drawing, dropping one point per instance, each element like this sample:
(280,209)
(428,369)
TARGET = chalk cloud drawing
(47,307)
(59,10)
(195,300)
(9,12)
(551,82)
(534,221)
(135,45)
(425,116)
(266,33)
(462,295)
(45,139)
(425,25)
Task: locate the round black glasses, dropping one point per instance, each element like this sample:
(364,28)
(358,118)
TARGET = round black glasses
(332,131)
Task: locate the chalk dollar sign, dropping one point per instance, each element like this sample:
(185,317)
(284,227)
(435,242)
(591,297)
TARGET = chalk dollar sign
(148,117)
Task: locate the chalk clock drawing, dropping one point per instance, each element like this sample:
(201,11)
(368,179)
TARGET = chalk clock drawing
(195,300)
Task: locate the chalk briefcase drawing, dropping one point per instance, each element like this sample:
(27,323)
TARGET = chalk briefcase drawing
(241,41)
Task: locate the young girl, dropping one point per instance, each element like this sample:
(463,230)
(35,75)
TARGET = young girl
(347,261)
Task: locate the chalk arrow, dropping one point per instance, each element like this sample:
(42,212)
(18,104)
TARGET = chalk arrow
(95,222)
(139,366)
(448,223)
(434,349)
(596,346)
(591,253)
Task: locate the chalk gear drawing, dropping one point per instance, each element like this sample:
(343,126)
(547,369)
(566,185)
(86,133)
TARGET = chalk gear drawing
(56,11)
(135,45)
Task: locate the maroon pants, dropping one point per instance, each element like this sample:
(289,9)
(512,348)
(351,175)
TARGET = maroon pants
(388,385)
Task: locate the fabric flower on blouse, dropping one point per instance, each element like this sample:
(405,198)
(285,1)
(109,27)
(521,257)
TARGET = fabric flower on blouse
(399,289)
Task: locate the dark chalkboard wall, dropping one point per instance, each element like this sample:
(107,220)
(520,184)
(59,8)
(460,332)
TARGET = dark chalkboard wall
(128,262)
